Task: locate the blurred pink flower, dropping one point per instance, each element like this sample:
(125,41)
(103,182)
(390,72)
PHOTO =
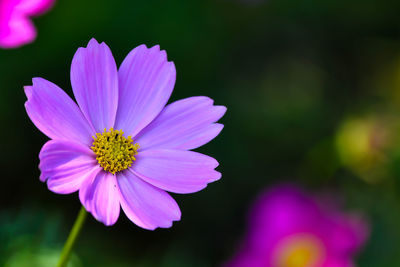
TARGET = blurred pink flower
(287,228)
(16,28)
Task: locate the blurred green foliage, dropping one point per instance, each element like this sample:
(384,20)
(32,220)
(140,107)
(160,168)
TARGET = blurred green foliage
(313,96)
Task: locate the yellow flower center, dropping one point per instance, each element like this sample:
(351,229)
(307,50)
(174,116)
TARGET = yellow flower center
(114,152)
(300,251)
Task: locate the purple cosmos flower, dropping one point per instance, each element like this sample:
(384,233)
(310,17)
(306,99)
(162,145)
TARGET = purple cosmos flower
(290,229)
(121,145)
(16,28)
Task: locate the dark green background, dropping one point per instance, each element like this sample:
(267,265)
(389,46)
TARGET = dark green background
(290,72)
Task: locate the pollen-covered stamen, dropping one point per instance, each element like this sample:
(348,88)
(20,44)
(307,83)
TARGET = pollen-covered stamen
(114,152)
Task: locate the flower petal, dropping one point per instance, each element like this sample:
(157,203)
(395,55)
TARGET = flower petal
(176,170)
(55,114)
(65,165)
(335,261)
(100,196)
(34,7)
(16,30)
(146,205)
(94,80)
(184,124)
(146,81)
(347,233)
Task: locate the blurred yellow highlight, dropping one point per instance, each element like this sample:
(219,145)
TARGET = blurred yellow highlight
(361,144)
(300,250)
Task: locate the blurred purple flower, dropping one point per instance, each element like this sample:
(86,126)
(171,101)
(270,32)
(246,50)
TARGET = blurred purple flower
(287,228)
(16,28)
(111,170)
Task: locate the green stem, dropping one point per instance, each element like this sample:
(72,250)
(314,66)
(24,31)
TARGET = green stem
(73,235)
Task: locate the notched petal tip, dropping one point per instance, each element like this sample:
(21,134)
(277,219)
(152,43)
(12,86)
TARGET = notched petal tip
(220,126)
(43,176)
(162,54)
(176,218)
(139,49)
(215,176)
(28,89)
(92,42)
(28,92)
(221,109)
(156,49)
(215,163)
